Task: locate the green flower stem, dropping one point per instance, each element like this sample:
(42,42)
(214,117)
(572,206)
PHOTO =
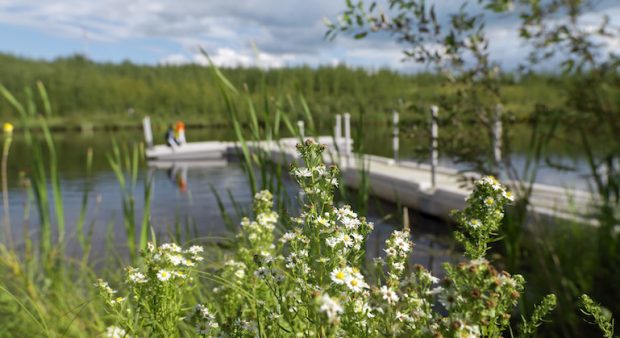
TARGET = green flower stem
(5,189)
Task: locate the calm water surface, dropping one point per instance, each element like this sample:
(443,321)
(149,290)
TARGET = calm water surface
(190,209)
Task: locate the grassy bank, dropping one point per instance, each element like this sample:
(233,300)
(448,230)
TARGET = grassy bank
(96,95)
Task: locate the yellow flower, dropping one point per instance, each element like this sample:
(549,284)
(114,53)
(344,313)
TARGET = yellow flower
(8,128)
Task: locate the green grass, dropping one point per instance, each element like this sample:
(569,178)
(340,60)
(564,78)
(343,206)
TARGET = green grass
(95,95)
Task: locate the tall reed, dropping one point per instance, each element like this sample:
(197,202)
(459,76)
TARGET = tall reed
(126,164)
(43,291)
(44,170)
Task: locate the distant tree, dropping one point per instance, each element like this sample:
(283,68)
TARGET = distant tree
(456,45)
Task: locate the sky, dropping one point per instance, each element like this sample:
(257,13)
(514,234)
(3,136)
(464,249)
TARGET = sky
(285,32)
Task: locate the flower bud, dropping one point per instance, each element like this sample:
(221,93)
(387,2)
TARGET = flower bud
(8,129)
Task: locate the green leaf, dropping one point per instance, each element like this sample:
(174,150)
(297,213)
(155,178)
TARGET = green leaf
(13,101)
(360,35)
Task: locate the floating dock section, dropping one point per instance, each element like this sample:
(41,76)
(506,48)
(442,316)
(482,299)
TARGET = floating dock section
(404,182)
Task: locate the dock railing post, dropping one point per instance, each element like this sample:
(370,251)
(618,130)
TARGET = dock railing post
(395,135)
(148,133)
(497,138)
(300,125)
(434,145)
(338,131)
(347,137)
(347,133)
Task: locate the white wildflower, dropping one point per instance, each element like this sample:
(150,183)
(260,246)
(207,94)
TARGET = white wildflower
(330,307)
(320,170)
(332,241)
(115,332)
(398,266)
(339,276)
(475,223)
(137,277)
(118,300)
(261,272)
(195,249)
(287,237)
(323,221)
(448,299)
(240,273)
(425,275)
(362,307)
(170,247)
(350,223)
(175,259)
(187,262)
(435,291)
(389,295)
(163,275)
(179,274)
(390,252)
(346,240)
(104,287)
(468,331)
(303,172)
(203,312)
(356,282)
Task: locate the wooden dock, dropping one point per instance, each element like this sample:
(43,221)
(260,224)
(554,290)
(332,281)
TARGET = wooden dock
(404,182)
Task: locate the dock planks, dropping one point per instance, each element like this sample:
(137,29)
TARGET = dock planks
(404,182)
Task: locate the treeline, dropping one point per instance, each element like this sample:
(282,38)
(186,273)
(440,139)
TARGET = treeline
(85,91)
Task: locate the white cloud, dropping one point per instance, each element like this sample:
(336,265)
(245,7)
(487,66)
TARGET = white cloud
(285,31)
(226,57)
(174,60)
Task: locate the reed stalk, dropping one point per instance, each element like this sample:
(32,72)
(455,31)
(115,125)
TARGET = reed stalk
(8,138)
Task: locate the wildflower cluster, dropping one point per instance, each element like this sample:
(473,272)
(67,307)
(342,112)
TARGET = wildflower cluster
(251,268)
(155,291)
(478,297)
(315,180)
(602,316)
(205,322)
(397,250)
(115,332)
(257,236)
(311,283)
(482,216)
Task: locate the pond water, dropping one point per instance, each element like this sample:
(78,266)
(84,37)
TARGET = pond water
(192,211)
(189,210)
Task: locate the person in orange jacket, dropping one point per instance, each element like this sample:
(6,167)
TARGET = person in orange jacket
(179,133)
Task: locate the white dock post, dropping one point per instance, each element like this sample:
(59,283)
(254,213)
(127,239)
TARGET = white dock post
(395,135)
(338,130)
(347,134)
(497,137)
(434,145)
(300,125)
(148,133)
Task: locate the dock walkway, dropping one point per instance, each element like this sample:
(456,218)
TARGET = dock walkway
(404,182)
